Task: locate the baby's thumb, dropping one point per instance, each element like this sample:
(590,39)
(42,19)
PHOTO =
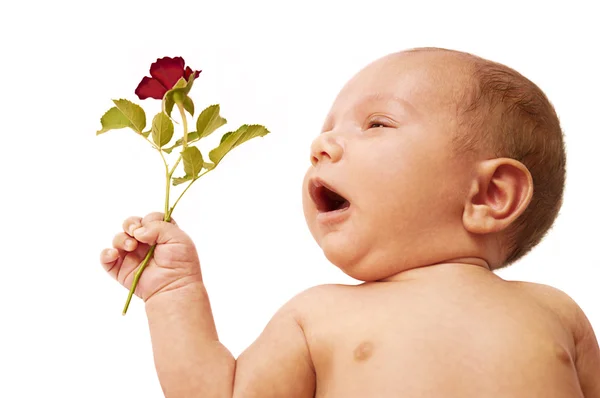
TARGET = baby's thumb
(160,232)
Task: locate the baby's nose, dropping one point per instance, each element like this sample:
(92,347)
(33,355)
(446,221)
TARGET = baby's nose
(325,148)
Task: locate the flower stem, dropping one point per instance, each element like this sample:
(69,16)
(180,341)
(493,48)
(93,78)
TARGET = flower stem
(168,212)
(136,277)
(167,217)
(168,190)
(185,126)
(175,166)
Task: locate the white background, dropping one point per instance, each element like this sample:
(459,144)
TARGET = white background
(65,191)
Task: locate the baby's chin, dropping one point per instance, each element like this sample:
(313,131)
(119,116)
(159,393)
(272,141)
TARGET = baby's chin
(357,262)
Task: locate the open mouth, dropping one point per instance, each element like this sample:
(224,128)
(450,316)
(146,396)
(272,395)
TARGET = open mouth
(326,198)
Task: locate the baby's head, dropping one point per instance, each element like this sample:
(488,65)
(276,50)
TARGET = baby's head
(443,157)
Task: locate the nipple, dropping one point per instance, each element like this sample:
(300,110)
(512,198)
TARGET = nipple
(363,351)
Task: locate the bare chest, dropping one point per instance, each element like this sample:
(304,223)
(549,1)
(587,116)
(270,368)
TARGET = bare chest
(419,352)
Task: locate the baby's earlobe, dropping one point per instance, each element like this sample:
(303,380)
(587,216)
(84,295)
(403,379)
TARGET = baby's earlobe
(476,219)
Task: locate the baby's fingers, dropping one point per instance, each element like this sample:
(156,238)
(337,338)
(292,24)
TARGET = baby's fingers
(119,263)
(160,232)
(109,259)
(123,241)
(134,222)
(131,224)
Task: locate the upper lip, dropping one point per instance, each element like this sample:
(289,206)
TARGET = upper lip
(314,184)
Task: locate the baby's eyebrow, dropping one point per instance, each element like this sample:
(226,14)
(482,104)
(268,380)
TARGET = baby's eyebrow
(375,97)
(385,97)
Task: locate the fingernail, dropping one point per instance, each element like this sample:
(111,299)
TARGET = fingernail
(141,231)
(131,229)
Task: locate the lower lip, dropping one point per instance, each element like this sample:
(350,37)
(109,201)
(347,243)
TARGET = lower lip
(332,217)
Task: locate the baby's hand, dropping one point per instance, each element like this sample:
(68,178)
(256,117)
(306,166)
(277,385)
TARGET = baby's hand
(175,262)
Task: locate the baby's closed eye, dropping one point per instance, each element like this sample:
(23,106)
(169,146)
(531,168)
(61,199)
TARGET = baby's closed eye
(373,125)
(380,123)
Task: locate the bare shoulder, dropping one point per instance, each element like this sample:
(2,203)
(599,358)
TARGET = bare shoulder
(314,299)
(557,301)
(324,291)
(279,362)
(586,353)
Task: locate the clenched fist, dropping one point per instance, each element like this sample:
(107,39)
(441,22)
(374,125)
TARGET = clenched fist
(174,264)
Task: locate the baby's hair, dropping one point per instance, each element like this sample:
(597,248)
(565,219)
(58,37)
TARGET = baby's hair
(505,114)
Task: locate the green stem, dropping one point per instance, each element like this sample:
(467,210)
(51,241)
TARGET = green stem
(185,134)
(168,190)
(185,126)
(163,158)
(167,216)
(174,166)
(136,277)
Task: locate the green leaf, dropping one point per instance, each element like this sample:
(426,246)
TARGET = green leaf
(209,120)
(235,138)
(225,136)
(181,180)
(192,161)
(192,137)
(146,133)
(188,105)
(187,177)
(167,105)
(162,129)
(113,119)
(133,112)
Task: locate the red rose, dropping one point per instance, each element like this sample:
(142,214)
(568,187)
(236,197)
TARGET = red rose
(165,73)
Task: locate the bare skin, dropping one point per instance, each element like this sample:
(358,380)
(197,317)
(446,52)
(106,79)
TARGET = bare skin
(430,338)
(433,339)
(421,231)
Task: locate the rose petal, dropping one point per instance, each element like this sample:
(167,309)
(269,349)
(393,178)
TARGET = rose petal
(167,71)
(150,88)
(188,73)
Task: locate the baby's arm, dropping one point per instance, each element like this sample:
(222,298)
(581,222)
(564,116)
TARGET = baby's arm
(189,359)
(587,361)
(278,364)
(191,362)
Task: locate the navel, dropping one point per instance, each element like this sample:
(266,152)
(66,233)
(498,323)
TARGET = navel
(363,351)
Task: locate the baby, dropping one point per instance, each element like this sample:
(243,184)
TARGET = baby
(434,168)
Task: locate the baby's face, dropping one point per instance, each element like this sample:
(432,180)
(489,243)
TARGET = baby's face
(385,147)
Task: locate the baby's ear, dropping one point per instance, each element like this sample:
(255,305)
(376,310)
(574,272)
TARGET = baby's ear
(499,193)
